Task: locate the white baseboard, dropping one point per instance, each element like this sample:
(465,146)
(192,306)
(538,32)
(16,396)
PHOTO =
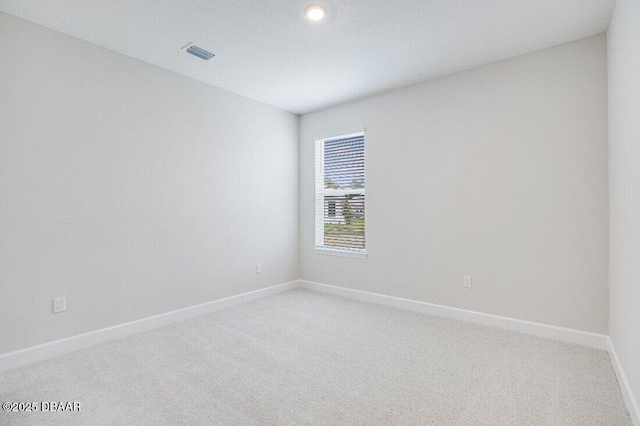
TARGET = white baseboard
(592,340)
(627,393)
(23,357)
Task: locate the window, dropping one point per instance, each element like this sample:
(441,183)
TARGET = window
(340,218)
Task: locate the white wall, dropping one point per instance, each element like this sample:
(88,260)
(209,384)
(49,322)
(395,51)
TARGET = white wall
(499,172)
(131,190)
(624,176)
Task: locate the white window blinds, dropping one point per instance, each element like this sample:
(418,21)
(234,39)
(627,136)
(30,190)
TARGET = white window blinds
(340,193)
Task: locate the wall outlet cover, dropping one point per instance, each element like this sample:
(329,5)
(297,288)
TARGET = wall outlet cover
(468,282)
(59,304)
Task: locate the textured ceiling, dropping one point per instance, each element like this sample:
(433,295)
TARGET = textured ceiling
(268,51)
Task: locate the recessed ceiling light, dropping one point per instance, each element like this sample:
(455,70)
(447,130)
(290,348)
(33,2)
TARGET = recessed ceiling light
(314,12)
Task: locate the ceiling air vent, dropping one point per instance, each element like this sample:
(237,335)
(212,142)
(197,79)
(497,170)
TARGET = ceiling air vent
(198,51)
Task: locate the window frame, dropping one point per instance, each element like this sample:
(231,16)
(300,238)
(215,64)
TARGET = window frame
(320,192)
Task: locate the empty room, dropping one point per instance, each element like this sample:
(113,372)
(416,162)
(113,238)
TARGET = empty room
(319,212)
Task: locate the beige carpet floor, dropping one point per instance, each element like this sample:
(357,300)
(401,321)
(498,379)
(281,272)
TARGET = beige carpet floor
(304,358)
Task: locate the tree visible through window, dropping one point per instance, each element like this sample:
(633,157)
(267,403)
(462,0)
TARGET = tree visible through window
(340,193)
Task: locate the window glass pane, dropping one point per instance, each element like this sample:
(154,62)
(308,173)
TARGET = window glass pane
(344,221)
(344,163)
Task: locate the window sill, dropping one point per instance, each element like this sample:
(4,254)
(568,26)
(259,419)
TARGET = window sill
(358,254)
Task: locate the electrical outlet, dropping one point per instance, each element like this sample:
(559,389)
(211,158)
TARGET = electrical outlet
(59,304)
(468,282)
(258,268)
